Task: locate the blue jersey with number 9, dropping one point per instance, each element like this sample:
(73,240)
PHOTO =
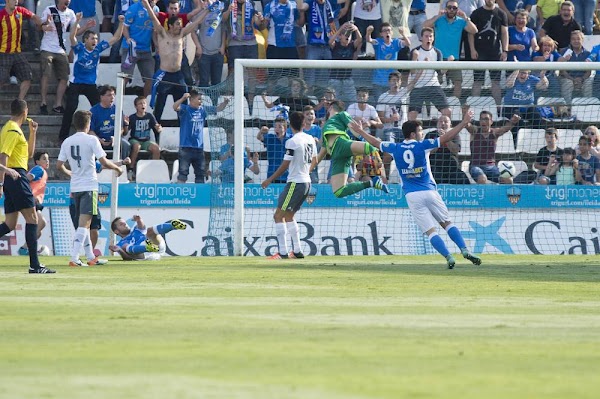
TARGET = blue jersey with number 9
(412,162)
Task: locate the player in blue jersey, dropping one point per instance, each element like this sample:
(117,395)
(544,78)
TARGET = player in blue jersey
(418,184)
(137,242)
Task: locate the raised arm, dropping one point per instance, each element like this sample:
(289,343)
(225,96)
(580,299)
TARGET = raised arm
(191,26)
(178,103)
(499,131)
(155,22)
(119,32)
(75,27)
(450,134)
(281,170)
(356,128)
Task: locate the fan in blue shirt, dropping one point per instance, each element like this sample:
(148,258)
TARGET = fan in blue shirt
(419,187)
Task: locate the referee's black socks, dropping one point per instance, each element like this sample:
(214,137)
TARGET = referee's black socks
(32,244)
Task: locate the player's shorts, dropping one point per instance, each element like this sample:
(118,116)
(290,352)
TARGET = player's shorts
(17,193)
(428,209)
(85,203)
(292,197)
(433,94)
(341,156)
(144,145)
(59,63)
(96,219)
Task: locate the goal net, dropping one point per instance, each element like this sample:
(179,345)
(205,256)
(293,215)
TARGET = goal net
(508,179)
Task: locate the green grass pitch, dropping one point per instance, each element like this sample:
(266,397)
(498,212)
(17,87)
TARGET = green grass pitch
(322,327)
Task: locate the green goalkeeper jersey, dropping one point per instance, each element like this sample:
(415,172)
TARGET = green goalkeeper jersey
(337,124)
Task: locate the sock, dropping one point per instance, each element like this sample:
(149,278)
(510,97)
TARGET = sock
(31,240)
(454,234)
(164,228)
(4,230)
(136,249)
(78,240)
(438,244)
(352,188)
(281,238)
(369,149)
(87,246)
(292,228)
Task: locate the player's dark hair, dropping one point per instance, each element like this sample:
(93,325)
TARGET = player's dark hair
(87,34)
(18,107)
(113,224)
(296,120)
(410,127)
(138,99)
(102,90)
(81,120)
(337,105)
(38,155)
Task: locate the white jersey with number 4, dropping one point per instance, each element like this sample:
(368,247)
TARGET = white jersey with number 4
(300,150)
(81,151)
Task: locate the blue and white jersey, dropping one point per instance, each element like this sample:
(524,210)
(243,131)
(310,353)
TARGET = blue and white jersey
(37,172)
(385,52)
(412,162)
(522,93)
(140,28)
(135,237)
(85,65)
(281,26)
(191,130)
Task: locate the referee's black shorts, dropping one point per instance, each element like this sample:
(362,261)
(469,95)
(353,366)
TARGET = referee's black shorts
(17,193)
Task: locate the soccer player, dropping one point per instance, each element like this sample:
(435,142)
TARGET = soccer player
(15,151)
(419,186)
(142,243)
(300,157)
(37,180)
(81,151)
(338,144)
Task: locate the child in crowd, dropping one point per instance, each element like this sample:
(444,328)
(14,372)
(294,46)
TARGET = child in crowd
(565,169)
(587,169)
(37,179)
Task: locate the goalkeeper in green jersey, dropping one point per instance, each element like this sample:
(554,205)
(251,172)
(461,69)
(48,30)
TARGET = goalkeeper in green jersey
(342,148)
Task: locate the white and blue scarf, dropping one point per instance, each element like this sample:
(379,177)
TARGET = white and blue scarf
(320,15)
(245,22)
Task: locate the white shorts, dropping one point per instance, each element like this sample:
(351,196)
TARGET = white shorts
(428,209)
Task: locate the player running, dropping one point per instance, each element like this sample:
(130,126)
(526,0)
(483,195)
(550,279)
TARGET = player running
(142,243)
(419,186)
(301,158)
(342,148)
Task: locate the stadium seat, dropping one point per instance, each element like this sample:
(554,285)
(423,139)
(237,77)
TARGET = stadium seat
(465,143)
(482,103)
(586,113)
(42,4)
(84,103)
(529,141)
(506,144)
(260,111)
(251,141)
(128,107)
(323,170)
(465,167)
(107,74)
(152,171)
(169,113)
(455,107)
(585,100)
(569,137)
(551,101)
(228,112)
(169,139)
(105,176)
(520,166)
(214,139)
(191,176)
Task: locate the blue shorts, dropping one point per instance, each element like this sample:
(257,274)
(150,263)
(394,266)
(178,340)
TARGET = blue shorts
(17,193)
(491,171)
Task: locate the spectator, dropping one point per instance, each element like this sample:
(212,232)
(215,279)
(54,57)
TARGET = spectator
(57,20)
(33,41)
(275,145)
(386,49)
(108,9)
(186,6)
(467,7)
(417,16)
(295,98)
(140,125)
(367,13)
(191,133)
(323,105)
(483,168)
(173,10)
(363,112)
(520,96)
(212,38)
(559,27)
(444,162)
(344,46)
(390,107)
(521,39)
(548,53)
(85,72)
(424,85)
(548,158)
(587,167)
(513,7)
(449,26)
(594,134)
(227,168)
(88,10)
(369,166)
(242,39)
(11,58)
(584,14)
(545,9)
(565,173)
(490,43)
(103,121)
(169,79)
(314,131)
(136,48)
(576,81)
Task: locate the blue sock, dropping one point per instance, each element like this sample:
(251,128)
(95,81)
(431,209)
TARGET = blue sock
(32,244)
(454,234)
(438,244)
(137,249)
(164,228)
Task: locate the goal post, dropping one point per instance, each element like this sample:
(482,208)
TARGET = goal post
(360,224)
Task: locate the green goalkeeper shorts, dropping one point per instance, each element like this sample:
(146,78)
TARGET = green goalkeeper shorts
(341,156)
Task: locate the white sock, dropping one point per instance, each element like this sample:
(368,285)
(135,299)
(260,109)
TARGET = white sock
(292,228)
(78,240)
(281,238)
(87,246)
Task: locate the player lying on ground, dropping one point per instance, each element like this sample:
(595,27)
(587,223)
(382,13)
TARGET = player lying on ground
(419,187)
(342,148)
(137,243)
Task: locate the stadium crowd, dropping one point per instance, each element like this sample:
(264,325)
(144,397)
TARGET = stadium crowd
(151,36)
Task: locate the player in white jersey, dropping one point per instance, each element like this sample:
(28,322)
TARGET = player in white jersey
(301,158)
(81,151)
(419,187)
